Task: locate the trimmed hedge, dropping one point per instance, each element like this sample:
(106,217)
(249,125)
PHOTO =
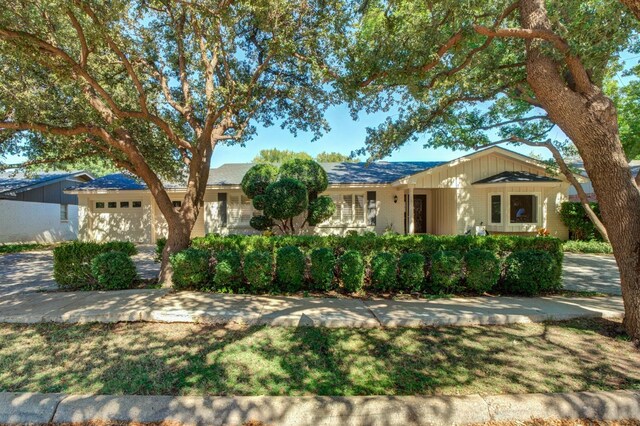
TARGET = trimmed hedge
(323,264)
(530,273)
(411,271)
(228,272)
(191,270)
(592,247)
(352,271)
(482,270)
(113,270)
(72,262)
(462,264)
(258,270)
(290,265)
(384,272)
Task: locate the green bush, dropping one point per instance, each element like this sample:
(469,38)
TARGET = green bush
(72,262)
(160,243)
(576,219)
(592,247)
(351,266)
(384,272)
(258,270)
(191,269)
(530,273)
(323,263)
(446,270)
(228,271)
(113,270)
(290,265)
(411,271)
(482,270)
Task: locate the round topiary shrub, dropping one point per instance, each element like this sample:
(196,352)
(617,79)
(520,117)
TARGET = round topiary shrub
(323,263)
(290,264)
(411,271)
(321,209)
(228,271)
(257,179)
(530,272)
(351,266)
(446,270)
(191,269)
(287,198)
(261,223)
(113,270)
(309,172)
(482,270)
(384,272)
(258,270)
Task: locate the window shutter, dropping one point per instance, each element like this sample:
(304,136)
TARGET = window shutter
(222,208)
(371,208)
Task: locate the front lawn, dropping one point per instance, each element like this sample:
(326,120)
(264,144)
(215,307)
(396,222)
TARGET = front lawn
(177,359)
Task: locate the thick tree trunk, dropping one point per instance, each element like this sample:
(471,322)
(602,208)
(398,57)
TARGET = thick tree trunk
(589,118)
(178,239)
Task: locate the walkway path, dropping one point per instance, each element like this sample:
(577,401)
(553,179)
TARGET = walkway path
(161,306)
(37,408)
(591,272)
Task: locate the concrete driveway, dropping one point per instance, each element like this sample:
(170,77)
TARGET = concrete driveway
(589,272)
(33,270)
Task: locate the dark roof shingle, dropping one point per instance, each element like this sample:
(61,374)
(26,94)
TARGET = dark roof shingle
(11,182)
(515,177)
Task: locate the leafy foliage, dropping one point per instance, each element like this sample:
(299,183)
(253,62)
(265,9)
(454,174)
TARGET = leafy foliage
(192,269)
(575,218)
(593,247)
(411,271)
(290,266)
(286,198)
(384,270)
(446,270)
(321,271)
(258,270)
(228,271)
(482,270)
(530,273)
(113,270)
(351,265)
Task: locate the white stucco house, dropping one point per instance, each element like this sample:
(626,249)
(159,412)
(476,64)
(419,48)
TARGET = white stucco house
(36,208)
(506,191)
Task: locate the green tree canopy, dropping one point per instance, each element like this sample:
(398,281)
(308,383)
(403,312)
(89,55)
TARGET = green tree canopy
(286,193)
(279,156)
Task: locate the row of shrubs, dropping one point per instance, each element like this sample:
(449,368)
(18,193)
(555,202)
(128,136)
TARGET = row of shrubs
(593,247)
(289,270)
(94,266)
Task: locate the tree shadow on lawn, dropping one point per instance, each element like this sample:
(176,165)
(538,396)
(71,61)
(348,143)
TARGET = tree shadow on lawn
(189,359)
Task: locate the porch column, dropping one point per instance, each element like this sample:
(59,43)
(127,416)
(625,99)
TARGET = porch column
(410,205)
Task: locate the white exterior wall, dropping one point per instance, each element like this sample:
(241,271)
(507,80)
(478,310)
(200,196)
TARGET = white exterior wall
(26,222)
(116,224)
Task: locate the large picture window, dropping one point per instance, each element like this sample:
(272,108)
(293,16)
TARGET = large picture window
(350,209)
(523,208)
(240,210)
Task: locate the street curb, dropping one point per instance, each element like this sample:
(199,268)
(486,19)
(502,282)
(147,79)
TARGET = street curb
(30,408)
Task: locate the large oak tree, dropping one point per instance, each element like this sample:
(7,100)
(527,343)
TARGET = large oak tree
(473,73)
(156,85)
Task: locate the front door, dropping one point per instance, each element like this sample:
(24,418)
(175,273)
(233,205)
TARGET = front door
(420,214)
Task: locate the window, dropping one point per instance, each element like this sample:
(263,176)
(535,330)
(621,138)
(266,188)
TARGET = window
(124,204)
(350,209)
(496,209)
(523,208)
(177,204)
(240,210)
(112,204)
(64,212)
(99,205)
(136,204)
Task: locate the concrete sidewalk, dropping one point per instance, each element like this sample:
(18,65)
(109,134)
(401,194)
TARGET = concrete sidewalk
(210,308)
(29,408)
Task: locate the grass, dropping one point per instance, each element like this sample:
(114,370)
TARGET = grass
(589,247)
(192,359)
(16,248)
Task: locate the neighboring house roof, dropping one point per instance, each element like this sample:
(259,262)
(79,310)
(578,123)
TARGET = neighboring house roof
(516,177)
(118,182)
(12,183)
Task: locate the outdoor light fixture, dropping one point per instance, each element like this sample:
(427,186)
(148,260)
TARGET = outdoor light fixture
(395,198)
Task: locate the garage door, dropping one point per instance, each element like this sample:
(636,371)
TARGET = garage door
(121,220)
